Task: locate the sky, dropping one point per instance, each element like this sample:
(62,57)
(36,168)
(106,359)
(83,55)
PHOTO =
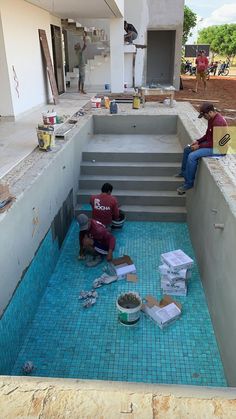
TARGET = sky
(211,12)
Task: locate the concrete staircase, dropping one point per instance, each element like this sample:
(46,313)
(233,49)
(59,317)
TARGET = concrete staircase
(143,184)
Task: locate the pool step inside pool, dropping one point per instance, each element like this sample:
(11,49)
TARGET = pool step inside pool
(144,185)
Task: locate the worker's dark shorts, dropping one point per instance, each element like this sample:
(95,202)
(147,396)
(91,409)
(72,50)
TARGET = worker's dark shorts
(100,248)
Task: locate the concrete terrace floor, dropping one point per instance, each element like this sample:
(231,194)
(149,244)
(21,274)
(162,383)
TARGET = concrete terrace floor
(19,138)
(125,143)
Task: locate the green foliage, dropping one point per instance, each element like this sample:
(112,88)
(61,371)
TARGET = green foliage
(222,39)
(190,21)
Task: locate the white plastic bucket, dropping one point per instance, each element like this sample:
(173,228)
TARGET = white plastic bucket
(96,102)
(49,118)
(129,306)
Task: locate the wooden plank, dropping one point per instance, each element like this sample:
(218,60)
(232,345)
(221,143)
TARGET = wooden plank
(48,64)
(197,100)
(140,46)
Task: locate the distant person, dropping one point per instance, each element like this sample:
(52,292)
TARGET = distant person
(222,68)
(105,208)
(131,32)
(201,69)
(95,239)
(81,63)
(199,148)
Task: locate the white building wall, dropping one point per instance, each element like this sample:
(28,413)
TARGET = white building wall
(20,24)
(120,4)
(117,55)
(153,15)
(6,107)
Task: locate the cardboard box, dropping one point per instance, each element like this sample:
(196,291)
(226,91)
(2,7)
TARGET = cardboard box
(177,260)
(174,276)
(123,266)
(164,312)
(178,287)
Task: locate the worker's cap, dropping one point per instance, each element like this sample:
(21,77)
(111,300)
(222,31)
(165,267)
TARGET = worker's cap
(83,222)
(205,108)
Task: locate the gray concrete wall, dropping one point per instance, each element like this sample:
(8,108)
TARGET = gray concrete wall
(135,124)
(156,15)
(39,196)
(160,56)
(215,252)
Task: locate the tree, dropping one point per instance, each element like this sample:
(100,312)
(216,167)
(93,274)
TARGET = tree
(190,21)
(222,39)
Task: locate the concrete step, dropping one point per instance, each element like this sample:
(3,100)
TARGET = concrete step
(129,168)
(161,183)
(131,157)
(147,213)
(144,198)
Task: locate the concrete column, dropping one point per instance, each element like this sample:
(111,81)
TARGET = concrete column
(117,55)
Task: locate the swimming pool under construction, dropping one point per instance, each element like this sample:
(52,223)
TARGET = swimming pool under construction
(42,317)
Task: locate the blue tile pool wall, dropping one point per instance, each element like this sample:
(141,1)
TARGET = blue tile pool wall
(66,340)
(19,314)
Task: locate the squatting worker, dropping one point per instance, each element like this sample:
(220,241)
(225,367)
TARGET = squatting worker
(203,147)
(201,69)
(95,237)
(131,32)
(81,63)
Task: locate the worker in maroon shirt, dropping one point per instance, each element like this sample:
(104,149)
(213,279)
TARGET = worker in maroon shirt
(94,238)
(203,147)
(105,206)
(201,69)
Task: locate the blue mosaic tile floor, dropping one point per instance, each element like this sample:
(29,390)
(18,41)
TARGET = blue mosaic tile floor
(66,340)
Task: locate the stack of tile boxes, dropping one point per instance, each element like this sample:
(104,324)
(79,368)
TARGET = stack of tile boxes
(175,272)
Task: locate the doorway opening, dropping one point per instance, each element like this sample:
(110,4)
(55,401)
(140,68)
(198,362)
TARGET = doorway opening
(160,56)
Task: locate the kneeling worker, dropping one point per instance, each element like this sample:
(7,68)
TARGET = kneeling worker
(94,238)
(105,208)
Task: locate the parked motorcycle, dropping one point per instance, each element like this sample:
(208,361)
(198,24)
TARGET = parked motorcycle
(212,69)
(224,69)
(189,68)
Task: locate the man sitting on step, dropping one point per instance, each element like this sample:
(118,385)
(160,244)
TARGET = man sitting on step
(203,147)
(105,208)
(95,240)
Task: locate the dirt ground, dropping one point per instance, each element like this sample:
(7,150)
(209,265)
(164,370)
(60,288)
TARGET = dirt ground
(221,91)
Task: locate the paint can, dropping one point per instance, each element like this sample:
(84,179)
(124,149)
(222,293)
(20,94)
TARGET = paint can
(49,118)
(129,307)
(96,102)
(136,102)
(106,102)
(46,138)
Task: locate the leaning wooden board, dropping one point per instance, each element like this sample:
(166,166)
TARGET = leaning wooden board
(48,63)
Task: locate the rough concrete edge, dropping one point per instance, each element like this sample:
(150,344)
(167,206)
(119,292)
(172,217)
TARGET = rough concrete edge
(228,190)
(225,393)
(197,126)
